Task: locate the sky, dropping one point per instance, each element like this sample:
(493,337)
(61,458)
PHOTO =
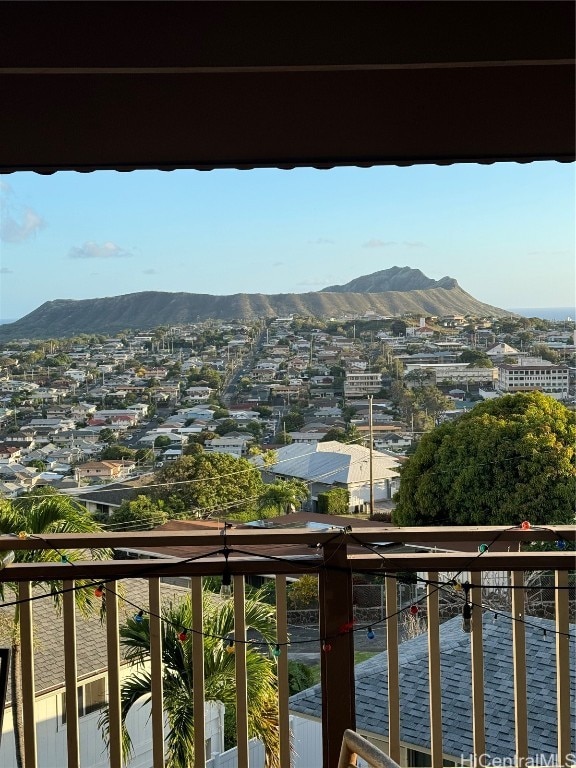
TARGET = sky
(505,232)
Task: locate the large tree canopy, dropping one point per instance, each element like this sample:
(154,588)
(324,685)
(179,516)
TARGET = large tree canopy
(210,482)
(507,460)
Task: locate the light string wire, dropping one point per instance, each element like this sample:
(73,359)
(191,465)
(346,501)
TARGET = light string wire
(436,586)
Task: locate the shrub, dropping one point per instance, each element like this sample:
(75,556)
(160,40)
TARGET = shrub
(334,502)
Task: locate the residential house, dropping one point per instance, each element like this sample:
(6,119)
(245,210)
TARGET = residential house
(104,470)
(456,675)
(91,654)
(234,445)
(336,465)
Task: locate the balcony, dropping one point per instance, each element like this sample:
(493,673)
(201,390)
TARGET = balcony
(335,555)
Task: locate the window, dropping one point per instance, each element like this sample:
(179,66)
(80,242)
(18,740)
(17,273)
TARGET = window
(91,698)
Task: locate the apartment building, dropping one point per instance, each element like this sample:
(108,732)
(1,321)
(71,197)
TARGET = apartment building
(543,376)
(361,383)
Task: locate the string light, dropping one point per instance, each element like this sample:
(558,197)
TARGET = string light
(99,591)
(139,617)
(276,652)
(561,544)
(64,559)
(23,535)
(525,525)
(370,634)
(483,548)
(182,635)
(230,646)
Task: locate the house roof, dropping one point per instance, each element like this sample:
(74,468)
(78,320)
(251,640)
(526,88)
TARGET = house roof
(333,462)
(455,661)
(227,84)
(90,633)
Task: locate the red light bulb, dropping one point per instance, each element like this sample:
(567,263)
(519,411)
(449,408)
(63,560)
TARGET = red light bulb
(414,610)
(525,525)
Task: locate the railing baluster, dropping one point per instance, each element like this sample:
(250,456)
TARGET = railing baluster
(519,658)
(477,652)
(241,682)
(563,667)
(71,674)
(393,674)
(113,654)
(197,598)
(156,672)
(283,687)
(434,677)
(27,667)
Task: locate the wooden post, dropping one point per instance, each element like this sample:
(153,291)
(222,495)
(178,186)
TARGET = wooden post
(337,656)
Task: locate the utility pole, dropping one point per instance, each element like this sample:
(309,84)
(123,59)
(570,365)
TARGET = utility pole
(371,433)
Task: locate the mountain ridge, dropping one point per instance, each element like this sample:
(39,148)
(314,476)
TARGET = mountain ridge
(147,309)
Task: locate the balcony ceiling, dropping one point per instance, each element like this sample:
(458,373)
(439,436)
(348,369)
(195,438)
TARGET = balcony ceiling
(108,85)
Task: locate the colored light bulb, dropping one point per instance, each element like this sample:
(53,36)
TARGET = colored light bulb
(414,610)
(483,548)
(139,617)
(276,652)
(182,635)
(99,591)
(326,647)
(370,634)
(525,525)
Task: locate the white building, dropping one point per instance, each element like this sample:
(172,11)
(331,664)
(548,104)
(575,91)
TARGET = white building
(362,383)
(543,376)
(234,446)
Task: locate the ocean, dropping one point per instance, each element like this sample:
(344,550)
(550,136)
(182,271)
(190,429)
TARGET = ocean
(547,313)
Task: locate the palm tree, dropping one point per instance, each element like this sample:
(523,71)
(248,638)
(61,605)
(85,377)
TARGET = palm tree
(281,496)
(219,673)
(37,515)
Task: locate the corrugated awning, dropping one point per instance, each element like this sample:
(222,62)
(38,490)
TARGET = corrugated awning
(165,85)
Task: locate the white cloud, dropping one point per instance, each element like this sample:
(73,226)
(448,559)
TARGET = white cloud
(413,244)
(321,241)
(375,243)
(6,271)
(149,272)
(92,250)
(17,222)
(278,264)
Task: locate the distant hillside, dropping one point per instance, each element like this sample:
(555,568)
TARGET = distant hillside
(390,292)
(393,279)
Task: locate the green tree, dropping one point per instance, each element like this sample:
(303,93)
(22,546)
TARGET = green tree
(279,497)
(219,671)
(509,459)
(162,441)
(476,358)
(212,482)
(41,514)
(139,514)
(118,452)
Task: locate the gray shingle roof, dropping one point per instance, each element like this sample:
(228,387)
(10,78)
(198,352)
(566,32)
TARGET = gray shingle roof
(372,682)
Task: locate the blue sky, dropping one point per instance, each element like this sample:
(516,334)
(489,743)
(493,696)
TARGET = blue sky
(505,232)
